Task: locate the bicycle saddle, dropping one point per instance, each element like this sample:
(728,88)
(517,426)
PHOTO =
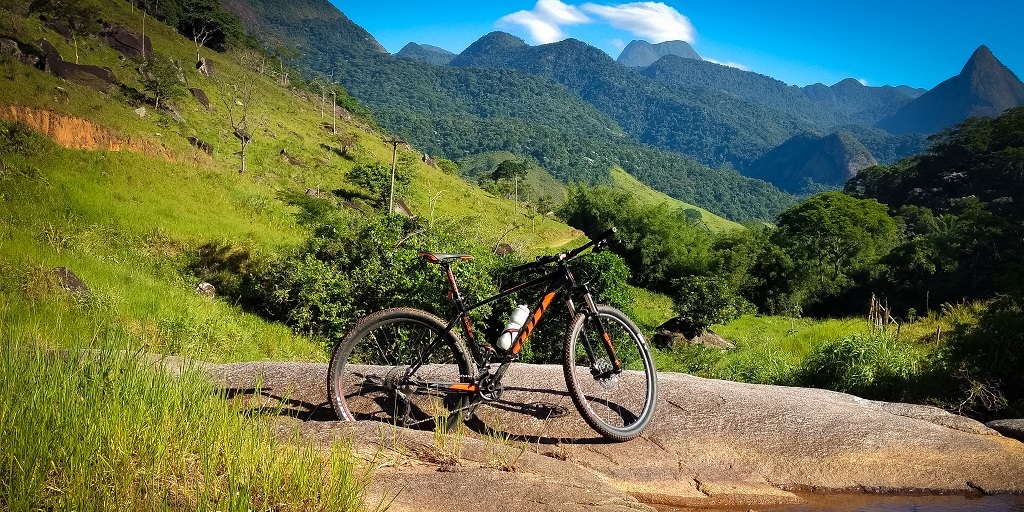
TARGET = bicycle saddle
(444,258)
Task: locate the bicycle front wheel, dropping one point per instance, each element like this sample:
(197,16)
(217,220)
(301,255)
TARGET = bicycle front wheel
(399,366)
(617,405)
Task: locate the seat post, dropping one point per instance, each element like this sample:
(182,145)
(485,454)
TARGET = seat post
(456,295)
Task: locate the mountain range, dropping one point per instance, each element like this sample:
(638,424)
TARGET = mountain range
(577,111)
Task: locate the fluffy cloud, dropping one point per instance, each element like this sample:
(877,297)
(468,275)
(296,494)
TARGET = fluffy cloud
(653,21)
(545,20)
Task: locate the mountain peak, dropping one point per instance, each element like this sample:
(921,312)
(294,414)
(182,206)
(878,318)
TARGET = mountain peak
(426,53)
(640,54)
(984,87)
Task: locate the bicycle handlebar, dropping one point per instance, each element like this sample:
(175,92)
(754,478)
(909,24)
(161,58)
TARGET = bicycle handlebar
(544,260)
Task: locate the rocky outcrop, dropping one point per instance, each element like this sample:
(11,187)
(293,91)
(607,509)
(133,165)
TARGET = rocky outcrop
(127,43)
(711,443)
(201,97)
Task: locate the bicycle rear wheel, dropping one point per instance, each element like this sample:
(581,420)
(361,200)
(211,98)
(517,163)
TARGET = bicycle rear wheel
(618,406)
(382,370)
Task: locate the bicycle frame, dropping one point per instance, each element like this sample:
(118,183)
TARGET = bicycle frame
(560,279)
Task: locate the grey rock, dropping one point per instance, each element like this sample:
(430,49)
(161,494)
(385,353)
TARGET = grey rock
(712,443)
(201,145)
(141,111)
(201,97)
(128,43)
(1013,428)
(205,66)
(70,281)
(9,47)
(206,289)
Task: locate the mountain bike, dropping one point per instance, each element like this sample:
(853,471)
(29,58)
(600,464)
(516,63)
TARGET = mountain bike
(411,368)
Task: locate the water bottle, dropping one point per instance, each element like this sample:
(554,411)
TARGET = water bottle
(519,316)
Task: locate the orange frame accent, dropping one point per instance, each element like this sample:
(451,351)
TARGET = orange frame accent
(468,388)
(538,313)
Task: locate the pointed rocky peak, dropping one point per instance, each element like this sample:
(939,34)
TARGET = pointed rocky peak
(984,87)
(640,54)
(981,58)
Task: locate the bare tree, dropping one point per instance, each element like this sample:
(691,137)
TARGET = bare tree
(201,24)
(238,102)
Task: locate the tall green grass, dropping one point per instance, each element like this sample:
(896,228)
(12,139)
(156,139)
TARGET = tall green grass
(101,430)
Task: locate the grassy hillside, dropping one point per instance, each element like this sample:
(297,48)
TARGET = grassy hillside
(129,222)
(645,194)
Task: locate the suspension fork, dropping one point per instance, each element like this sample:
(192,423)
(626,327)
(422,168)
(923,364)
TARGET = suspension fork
(606,340)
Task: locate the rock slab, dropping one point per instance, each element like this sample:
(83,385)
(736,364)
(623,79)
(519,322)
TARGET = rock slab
(711,444)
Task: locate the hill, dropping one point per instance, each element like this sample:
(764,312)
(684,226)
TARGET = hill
(623,181)
(640,54)
(426,53)
(805,162)
(858,103)
(984,87)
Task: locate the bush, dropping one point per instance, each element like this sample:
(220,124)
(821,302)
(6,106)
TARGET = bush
(870,365)
(707,300)
(985,360)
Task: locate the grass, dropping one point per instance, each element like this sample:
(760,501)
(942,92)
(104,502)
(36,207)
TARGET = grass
(645,194)
(105,431)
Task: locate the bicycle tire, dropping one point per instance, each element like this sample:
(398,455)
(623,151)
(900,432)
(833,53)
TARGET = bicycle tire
(619,407)
(366,378)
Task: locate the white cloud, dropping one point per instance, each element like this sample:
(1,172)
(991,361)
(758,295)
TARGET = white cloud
(729,64)
(545,20)
(653,21)
(863,81)
(618,43)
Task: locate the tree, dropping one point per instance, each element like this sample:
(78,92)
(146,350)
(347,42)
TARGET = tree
(837,234)
(160,77)
(238,102)
(375,177)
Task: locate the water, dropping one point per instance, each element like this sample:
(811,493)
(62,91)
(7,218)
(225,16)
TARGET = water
(887,503)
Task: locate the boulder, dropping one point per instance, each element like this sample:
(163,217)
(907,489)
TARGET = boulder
(141,111)
(70,281)
(201,97)
(101,79)
(10,48)
(49,51)
(201,145)
(128,43)
(59,28)
(679,331)
(206,289)
(1010,428)
(205,66)
(503,249)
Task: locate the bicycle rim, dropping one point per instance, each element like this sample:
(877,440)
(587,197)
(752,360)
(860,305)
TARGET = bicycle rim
(375,372)
(618,406)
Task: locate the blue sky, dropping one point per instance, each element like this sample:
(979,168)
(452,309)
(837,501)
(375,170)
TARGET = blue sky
(879,42)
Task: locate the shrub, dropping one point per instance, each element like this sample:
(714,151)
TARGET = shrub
(707,300)
(870,365)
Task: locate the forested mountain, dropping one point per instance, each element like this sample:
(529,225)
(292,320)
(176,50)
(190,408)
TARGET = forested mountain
(457,112)
(985,87)
(806,162)
(426,53)
(859,103)
(640,54)
(712,126)
(577,112)
(688,74)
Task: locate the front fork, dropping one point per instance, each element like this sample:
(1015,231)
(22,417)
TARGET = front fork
(592,315)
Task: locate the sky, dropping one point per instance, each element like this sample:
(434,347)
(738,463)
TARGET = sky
(879,42)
